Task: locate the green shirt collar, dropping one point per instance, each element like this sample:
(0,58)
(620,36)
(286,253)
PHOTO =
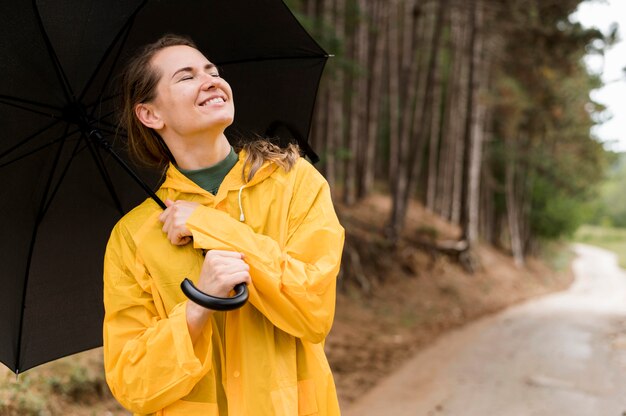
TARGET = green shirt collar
(211,178)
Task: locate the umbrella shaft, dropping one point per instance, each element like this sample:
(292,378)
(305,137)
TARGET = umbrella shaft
(97,136)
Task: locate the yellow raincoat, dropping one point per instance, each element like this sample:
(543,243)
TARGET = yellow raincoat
(266,358)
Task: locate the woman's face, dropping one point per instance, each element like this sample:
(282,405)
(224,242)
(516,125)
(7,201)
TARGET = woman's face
(191,98)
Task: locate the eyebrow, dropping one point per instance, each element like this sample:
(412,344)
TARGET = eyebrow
(190,69)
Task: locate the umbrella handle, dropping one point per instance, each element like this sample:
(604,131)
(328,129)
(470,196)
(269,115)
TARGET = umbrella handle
(213,302)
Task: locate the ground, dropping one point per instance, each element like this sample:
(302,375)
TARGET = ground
(393,302)
(559,354)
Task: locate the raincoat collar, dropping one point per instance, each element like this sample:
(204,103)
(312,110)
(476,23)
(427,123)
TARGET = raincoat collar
(233,181)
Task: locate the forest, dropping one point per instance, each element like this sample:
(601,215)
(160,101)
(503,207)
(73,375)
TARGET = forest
(480,110)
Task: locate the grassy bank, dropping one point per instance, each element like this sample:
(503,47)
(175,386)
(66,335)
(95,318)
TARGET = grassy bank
(613,239)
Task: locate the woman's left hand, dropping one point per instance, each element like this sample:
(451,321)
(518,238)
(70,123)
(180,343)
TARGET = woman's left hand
(174,220)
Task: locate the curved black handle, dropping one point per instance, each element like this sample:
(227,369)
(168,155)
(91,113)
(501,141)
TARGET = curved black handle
(213,302)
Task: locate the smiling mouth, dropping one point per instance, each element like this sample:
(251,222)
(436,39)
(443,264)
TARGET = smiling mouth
(215,100)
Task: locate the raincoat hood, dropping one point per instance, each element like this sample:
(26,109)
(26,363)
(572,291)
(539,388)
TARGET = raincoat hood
(178,183)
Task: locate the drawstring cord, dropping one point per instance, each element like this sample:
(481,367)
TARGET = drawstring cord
(242,218)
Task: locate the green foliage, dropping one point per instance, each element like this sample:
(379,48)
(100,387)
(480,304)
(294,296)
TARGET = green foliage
(609,208)
(543,109)
(17,398)
(555,213)
(610,238)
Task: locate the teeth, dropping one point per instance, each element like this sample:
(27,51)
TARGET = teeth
(215,100)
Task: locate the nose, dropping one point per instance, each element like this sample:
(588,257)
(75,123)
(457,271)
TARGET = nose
(208,81)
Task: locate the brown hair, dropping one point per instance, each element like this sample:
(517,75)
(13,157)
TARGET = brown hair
(139,82)
(261,150)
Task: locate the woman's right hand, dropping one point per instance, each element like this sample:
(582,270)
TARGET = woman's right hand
(221,272)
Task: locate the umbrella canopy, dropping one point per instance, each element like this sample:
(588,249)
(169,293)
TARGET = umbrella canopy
(62,194)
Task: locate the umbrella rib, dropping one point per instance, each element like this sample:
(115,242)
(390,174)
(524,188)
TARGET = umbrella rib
(24,155)
(67,88)
(22,104)
(104,100)
(107,131)
(29,138)
(104,174)
(124,32)
(58,184)
(31,250)
(109,125)
(101,118)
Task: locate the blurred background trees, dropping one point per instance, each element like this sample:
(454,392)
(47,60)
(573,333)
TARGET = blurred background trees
(479,109)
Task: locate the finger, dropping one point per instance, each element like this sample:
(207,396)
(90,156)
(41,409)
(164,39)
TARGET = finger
(167,211)
(241,277)
(180,241)
(232,266)
(165,214)
(167,224)
(171,225)
(174,235)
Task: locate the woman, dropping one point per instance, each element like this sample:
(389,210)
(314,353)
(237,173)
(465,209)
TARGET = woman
(264,217)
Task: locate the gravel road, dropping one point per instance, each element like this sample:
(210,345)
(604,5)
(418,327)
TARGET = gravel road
(563,354)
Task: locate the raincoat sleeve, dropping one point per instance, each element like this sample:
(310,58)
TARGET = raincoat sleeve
(149,359)
(293,286)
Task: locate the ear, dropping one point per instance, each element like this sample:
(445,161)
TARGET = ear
(148,115)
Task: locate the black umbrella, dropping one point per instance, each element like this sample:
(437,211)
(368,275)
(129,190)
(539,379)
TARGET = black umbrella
(62,193)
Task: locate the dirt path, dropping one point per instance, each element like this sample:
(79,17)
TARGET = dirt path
(562,354)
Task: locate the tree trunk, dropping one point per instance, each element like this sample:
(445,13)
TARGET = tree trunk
(513,216)
(338,92)
(332,101)
(393,56)
(460,124)
(475,109)
(374,98)
(409,75)
(366,11)
(412,163)
(447,158)
(433,147)
(358,109)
